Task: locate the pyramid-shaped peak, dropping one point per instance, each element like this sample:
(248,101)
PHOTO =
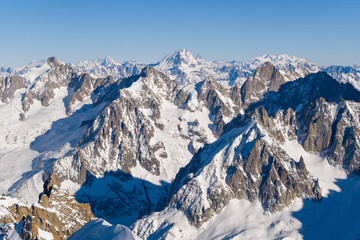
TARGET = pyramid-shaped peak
(180,56)
(267,71)
(109,61)
(182,52)
(269,75)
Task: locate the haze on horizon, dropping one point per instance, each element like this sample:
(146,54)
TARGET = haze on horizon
(324,32)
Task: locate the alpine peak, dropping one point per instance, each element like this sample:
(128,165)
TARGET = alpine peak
(108,61)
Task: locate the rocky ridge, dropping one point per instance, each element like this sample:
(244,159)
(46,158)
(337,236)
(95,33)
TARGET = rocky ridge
(57,214)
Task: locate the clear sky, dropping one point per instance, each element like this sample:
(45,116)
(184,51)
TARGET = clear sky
(323,31)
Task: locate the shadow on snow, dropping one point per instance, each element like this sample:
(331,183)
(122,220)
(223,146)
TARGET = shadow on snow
(120,198)
(335,216)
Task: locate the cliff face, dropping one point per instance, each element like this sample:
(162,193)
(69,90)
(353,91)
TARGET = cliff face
(245,163)
(57,214)
(266,78)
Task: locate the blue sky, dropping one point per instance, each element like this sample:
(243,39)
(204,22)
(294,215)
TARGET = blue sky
(325,32)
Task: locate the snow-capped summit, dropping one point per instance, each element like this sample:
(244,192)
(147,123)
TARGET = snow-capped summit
(180,57)
(108,61)
(186,68)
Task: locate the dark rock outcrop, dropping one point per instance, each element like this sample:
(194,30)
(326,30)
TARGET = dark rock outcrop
(266,78)
(58,214)
(9,85)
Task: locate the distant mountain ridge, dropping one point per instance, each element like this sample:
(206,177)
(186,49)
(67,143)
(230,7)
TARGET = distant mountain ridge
(183,66)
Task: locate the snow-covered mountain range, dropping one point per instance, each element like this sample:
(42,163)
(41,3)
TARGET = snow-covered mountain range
(183,148)
(186,68)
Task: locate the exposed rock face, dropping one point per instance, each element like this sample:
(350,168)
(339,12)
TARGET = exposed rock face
(266,78)
(78,86)
(83,87)
(124,136)
(59,214)
(332,130)
(124,127)
(298,93)
(241,164)
(326,114)
(213,95)
(317,120)
(9,85)
(53,62)
(43,89)
(107,131)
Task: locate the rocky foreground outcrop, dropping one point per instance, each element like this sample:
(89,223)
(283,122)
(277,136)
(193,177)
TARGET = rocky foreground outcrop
(58,214)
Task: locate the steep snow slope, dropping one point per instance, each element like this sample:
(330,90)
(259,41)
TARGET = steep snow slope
(100,229)
(15,150)
(15,145)
(31,67)
(35,135)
